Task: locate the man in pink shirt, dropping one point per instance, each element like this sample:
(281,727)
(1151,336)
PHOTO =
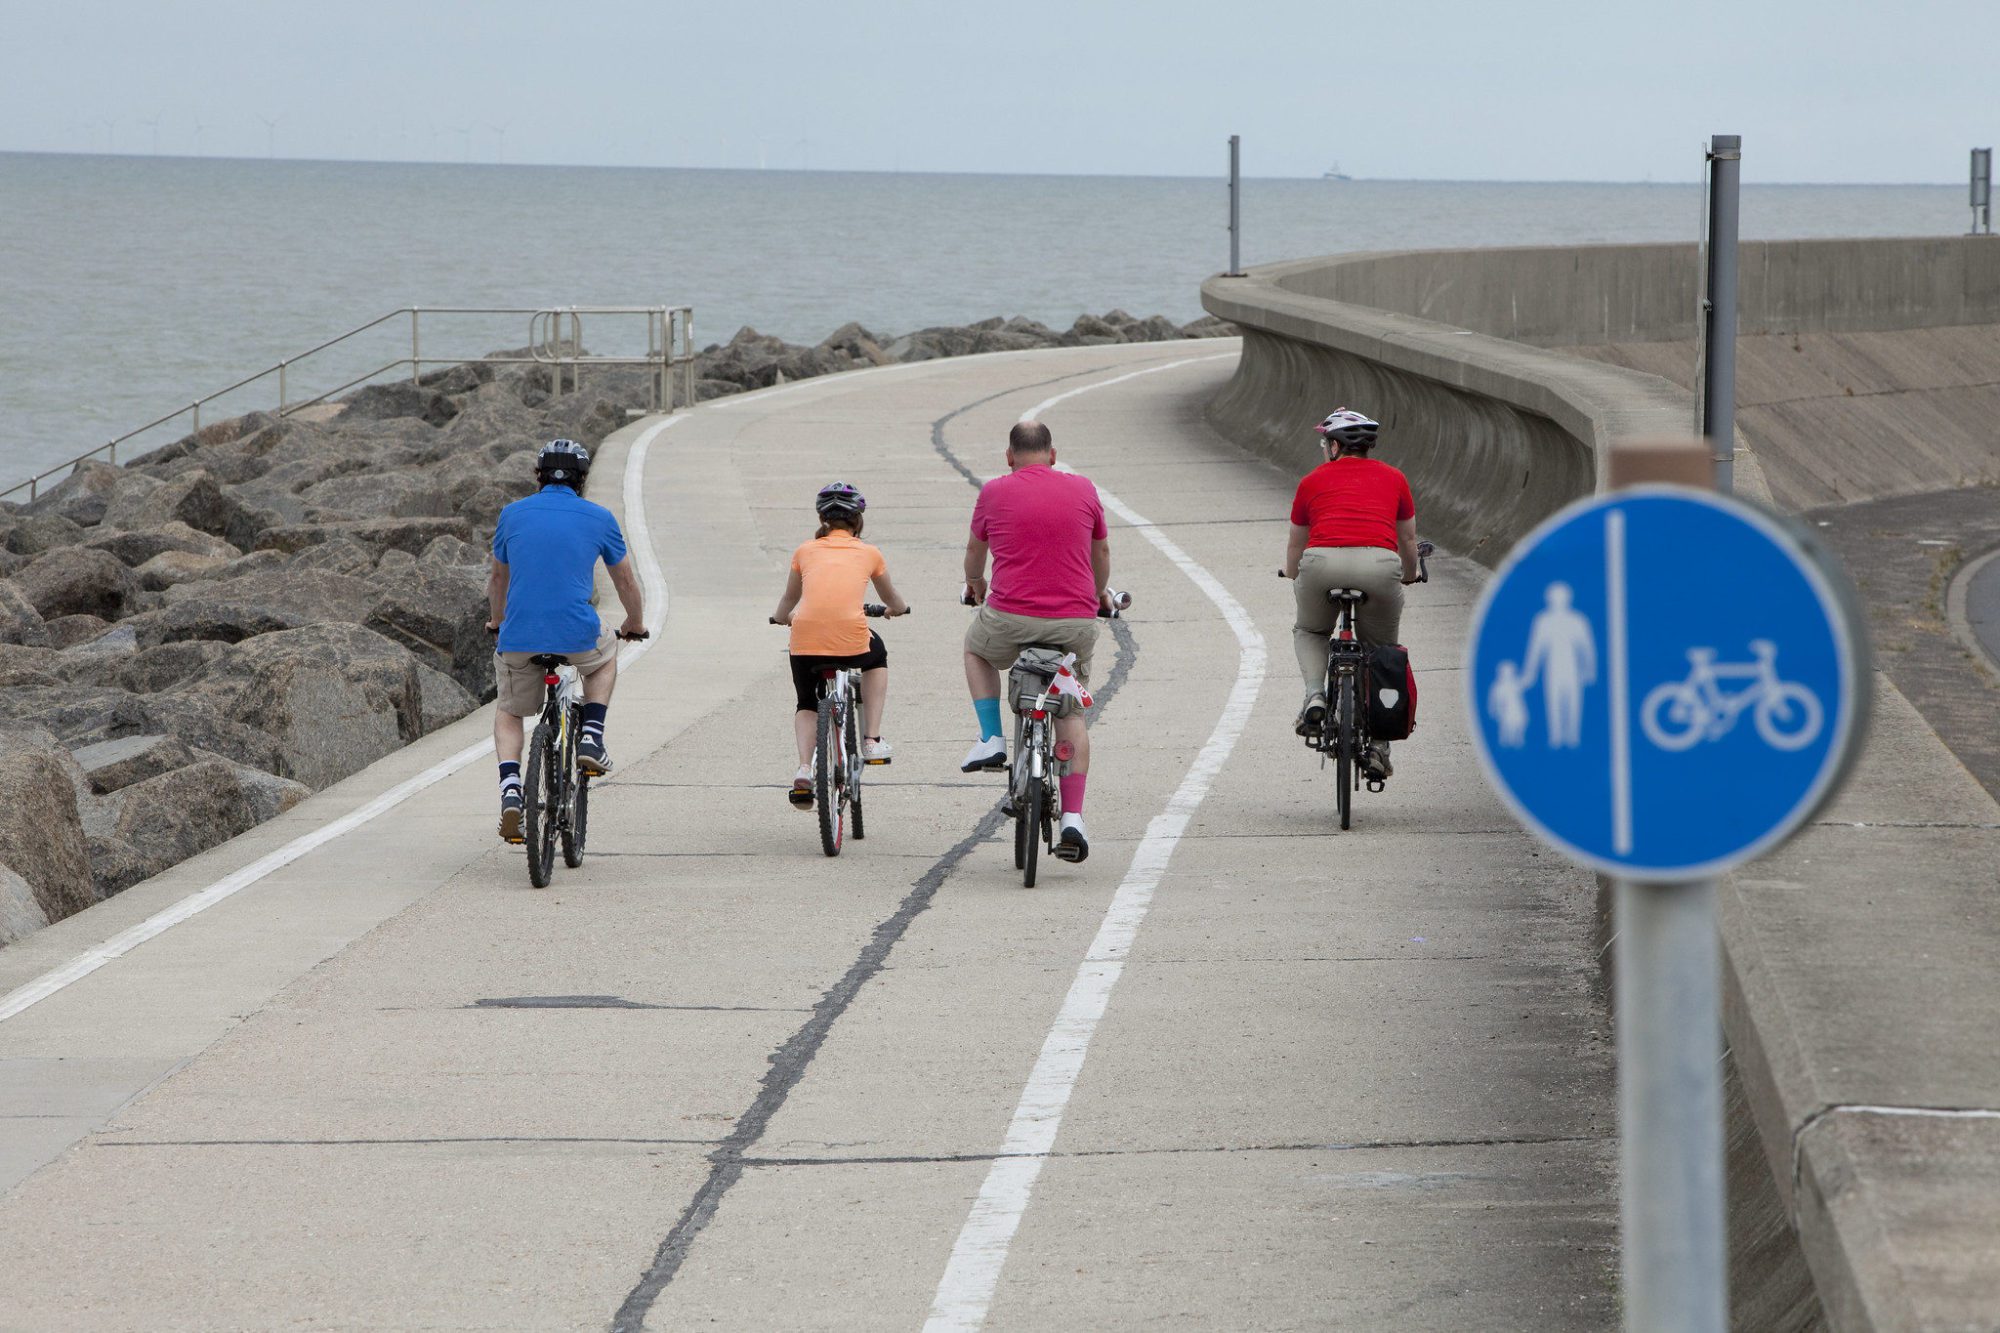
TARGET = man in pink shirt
(1051,563)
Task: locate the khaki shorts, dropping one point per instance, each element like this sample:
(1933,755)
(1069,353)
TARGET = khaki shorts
(999,637)
(518,681)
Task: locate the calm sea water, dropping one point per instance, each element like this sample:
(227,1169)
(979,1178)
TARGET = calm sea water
(134,284)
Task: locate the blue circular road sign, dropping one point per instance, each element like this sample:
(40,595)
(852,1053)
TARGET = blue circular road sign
(1664,682)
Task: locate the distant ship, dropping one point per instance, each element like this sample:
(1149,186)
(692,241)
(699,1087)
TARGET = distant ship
(1335,174)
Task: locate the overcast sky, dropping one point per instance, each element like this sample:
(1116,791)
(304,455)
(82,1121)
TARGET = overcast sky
(1821,90)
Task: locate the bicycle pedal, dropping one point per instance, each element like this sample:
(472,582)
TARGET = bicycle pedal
(1377,785)
(876,763)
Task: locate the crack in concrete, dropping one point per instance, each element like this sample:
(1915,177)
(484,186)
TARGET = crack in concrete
(429,1141)
(1367,1145)
(1824,1113)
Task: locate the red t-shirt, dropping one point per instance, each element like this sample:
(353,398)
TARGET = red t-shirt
(1352,502)
(1040,524)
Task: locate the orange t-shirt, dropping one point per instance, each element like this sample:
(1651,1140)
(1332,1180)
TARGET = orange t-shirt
(833,576)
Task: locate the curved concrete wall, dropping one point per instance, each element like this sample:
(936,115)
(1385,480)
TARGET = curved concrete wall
(1840,1055)
(1494,435)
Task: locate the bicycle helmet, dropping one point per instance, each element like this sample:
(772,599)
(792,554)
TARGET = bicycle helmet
(1348,429)
(563,461)
(838,498)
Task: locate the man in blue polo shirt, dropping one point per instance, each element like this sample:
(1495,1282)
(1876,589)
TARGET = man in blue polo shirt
(545,553)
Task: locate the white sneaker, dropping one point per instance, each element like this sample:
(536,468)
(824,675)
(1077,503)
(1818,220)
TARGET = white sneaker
(877,751)
(986,754)
(1073,844)
(801,794)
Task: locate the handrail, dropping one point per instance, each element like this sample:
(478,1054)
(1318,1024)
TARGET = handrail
(669,348)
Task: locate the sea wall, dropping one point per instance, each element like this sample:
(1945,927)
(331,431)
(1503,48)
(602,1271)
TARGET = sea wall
(1864,1091)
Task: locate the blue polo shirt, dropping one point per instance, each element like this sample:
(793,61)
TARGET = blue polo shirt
(551,543)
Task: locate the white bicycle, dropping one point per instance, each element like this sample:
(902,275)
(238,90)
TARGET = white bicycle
(1680,714)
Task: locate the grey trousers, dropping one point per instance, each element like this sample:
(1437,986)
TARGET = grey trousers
(1372,569)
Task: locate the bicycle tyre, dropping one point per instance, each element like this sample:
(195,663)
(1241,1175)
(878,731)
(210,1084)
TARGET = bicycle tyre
(572,826)
(1032,815)
(826,782)
(1021,824)
(852,786)
(540,800)
(1344,747)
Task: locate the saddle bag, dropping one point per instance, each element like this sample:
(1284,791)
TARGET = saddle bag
(1028,680)
(1391,693)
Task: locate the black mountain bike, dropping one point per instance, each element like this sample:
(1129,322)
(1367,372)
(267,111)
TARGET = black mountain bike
(1343,731)
(555,793)
(837,761)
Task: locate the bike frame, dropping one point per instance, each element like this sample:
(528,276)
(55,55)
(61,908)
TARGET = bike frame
(1345,658)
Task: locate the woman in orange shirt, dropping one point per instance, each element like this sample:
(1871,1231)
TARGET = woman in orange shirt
(822,604)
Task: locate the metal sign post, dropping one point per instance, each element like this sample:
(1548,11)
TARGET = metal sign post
(1718,388)
(1644,718)
(1235,206)
(1982,192)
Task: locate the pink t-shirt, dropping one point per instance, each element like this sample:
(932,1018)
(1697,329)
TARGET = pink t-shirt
(1040,524)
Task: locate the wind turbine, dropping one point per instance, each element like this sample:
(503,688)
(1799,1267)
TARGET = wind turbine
(465,140)
(111,134)
(499,142)
(805,147)
(198,128)
(270,134)
(154,126)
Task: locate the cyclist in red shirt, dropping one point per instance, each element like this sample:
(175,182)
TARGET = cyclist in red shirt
(1354,525)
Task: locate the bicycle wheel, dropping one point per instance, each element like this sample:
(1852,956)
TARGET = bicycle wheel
(1031,817)
(1789,717)
(1344,750)
(1023,828)
(541,800)
(1674,716)
(578,811)
(852,772)
(826,781)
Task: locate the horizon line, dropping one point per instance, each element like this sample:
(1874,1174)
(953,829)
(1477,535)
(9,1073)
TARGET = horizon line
(1692,183)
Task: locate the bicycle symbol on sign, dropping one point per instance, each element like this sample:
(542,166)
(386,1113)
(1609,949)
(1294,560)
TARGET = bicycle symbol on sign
(1681,713)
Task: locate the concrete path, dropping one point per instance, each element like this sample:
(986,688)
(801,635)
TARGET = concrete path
(1237,1070)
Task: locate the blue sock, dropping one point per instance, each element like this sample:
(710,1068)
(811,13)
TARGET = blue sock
(510,777)
(989,717)
(593,721)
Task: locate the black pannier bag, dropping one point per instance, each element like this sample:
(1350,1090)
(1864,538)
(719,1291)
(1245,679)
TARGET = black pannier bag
(1392,693)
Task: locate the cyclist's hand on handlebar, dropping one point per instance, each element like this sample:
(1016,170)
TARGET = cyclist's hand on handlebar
(493,627)
(973,593)
(632,631)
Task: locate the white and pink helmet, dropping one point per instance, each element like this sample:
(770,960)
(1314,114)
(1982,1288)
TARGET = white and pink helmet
(1348,428)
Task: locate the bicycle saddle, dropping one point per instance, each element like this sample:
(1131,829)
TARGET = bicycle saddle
(549,660)
(1346,595)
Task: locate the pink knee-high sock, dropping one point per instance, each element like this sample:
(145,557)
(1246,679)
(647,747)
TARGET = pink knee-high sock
(1072,792)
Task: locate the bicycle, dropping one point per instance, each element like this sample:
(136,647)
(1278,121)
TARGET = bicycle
(1343,732)
(837,761)
(1679,714)
(1032,796)
(555,794)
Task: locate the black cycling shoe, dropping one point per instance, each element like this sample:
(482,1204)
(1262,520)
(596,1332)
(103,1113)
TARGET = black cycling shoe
(1072,846)
(1312,717)
(510,820)
(592,760)
(1375,765)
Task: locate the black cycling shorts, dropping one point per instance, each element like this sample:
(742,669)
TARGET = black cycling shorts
(806,670)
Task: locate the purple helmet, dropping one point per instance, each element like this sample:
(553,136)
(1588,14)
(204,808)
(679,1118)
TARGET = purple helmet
(839,498)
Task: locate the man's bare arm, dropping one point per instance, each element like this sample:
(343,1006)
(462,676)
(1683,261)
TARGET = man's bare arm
(496,593)
(626,584)
(975,568)
(1100,563)
(1406,547)
(1295,547)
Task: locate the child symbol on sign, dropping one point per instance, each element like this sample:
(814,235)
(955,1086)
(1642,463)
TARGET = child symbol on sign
(1507,704)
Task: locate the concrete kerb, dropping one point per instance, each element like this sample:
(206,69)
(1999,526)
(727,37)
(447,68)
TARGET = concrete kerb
(1855,1201)
(1958,614)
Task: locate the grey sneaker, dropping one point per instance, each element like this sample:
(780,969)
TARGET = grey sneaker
(1312,715)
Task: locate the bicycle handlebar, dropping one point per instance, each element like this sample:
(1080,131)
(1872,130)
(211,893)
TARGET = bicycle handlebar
(1425,550)
(871,609)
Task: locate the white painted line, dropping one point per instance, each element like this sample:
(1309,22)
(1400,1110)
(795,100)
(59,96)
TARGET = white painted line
(1621,684)
(973,1274)
(1048,403)
(756,397)
(639,541)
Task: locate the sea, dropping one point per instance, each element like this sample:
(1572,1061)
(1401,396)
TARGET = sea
(130,286)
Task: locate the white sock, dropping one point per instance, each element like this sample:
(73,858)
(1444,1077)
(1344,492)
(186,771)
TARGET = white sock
(1073,820)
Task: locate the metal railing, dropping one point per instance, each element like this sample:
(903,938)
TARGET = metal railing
(555,339)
